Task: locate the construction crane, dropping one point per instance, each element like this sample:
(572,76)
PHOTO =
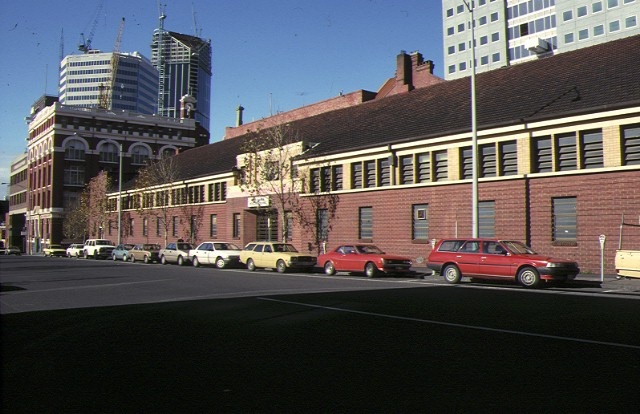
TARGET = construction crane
(85,46)
(106,89)
(160,60)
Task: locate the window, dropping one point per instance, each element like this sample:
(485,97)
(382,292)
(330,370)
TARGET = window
(582,11)
(109,152)
(484,60)
(568,38)
(460,8)
(591,149)
(508,158)
(612,3)
(484,40)
(449,12)
(487,218)
(583,34)
(370,168)
(74,150)
(598,30)
(236,226)
(131,226)
(495,36)
(365,223)
(271,170)
(488,160)
(213,226)
(441,166)
(193,227)
(462,46)
(451,50)
(217,191)
(543,154)
(461,28)
(614,26)
(174,230)
(450,31)
(567,156)
(336,184)
(494,17)
(288,230)
(325,179)
(158,227)
(567,15)
(420,220)
(596,7)
(384,172)
(322,224)
(356,175)
(314,184)
(466,163)
(564,219)
(74,175)
(406,169)
(139,155)
(482,20)
(630,22)
(631,145)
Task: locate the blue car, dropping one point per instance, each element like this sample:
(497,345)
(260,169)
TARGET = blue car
(121,252)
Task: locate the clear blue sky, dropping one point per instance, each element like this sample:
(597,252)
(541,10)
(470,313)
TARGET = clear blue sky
(268,55)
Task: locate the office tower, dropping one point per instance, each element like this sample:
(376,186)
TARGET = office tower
(184,67)
(512,31)
(85,80)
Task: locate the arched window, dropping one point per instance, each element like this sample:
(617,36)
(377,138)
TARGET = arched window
(74,150)
(109,152)
(139,155)
(168,152)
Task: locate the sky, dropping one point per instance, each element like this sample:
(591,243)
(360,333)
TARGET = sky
(267,55)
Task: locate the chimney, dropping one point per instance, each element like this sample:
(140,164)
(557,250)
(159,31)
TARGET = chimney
(403,70)
(239,116)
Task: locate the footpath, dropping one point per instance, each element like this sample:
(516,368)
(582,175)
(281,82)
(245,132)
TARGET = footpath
(611,283)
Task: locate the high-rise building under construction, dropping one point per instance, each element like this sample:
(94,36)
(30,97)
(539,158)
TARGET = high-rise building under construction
(184,66)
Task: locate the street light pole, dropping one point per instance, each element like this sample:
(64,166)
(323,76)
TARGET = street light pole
(120,199)
(474,126)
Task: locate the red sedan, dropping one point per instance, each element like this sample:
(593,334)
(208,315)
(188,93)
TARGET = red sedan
(365,258)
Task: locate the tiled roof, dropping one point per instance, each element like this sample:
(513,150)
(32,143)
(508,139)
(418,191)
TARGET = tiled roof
(587,80)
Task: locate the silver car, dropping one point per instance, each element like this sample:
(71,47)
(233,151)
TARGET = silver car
(176,253)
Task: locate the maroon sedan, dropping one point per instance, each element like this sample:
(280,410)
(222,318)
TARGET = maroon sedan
(365,258)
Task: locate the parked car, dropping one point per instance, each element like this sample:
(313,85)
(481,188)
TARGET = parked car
(98,248)
(75,250)
(121,252)
(365,258)
(218,253)
(54,250)
(177,252)
(497,259)
(274,255)
(147,252)
(12,250)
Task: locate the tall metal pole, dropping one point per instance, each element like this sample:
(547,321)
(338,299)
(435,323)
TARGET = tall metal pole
(120,199)
(474,127)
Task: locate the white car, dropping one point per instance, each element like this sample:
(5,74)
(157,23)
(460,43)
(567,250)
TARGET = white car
(220,254)
(75,250)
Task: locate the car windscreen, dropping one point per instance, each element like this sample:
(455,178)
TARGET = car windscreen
(226,246)
(283,247)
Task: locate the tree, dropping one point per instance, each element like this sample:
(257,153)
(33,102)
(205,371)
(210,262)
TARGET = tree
(155,187)
(269,170)
(90,215)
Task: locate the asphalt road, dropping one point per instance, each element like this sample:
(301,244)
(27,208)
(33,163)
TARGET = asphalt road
(97,336)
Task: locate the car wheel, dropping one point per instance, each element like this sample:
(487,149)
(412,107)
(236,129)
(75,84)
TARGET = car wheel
(180,261)
(250,265)
(529,277)
(329,269)
(281,267)
(220,263)
(133,259)
(196,262)
(146,259)
(113,256)
(85,254)
(163,260)
(452,274)
(370,270)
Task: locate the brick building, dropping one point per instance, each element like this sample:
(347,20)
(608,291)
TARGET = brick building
(68,145)
(558,158)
